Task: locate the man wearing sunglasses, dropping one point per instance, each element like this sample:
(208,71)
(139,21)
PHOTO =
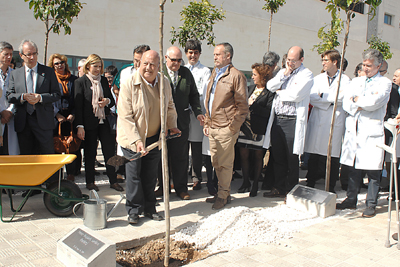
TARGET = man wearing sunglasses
(187,99)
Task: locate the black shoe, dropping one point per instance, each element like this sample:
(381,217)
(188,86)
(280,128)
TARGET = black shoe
(154,216)
(395,236)
(214,198)
(96,173)
(196,185)
(310,184)
(264,186)
(34,192)
(369,212)
(254,189)
(346,204)
(98,164)
(244,188)
(92,186)
(117,187)
(133,219)
(274,193)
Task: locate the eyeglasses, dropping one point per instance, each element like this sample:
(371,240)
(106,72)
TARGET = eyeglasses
(59,63)
(30,55)
(179,60)
(292,61)
(325,60)
(382,71)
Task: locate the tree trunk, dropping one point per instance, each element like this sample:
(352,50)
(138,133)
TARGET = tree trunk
(164,155)
(328,158)
(46,41)
(269,32)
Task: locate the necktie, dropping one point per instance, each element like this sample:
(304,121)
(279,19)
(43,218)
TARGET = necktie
(29,89)
(174,81)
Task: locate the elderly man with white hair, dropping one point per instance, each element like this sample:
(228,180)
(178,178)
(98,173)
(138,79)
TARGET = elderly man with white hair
(365,101)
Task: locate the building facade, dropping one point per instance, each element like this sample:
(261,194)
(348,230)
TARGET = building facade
(111,28)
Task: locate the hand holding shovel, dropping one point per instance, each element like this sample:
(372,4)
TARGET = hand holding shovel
(118,161)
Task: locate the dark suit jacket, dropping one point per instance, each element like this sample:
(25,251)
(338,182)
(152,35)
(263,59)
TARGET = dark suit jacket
(393,104)
(184,95)
(46,86)
(260,110)
(83,102)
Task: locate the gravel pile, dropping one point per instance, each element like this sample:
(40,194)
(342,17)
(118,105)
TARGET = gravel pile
(238,227)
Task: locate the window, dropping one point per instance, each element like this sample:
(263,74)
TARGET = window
(388,19)
(359,7)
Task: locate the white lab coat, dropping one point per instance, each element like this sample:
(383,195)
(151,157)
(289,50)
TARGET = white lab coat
(364,128)
(13,146)
(319,122)
(201,74)
(298,91)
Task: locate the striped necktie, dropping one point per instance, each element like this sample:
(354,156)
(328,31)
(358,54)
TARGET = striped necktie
(29,89)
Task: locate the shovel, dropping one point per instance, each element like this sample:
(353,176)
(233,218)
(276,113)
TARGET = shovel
(117,161)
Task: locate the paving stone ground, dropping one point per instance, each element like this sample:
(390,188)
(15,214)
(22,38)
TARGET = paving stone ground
(348,239)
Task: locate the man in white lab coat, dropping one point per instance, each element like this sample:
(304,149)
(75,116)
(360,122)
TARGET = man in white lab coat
(365,100)
(322,98)
(288,122)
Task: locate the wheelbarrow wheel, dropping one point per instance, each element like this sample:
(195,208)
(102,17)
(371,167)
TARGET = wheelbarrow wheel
(62,207)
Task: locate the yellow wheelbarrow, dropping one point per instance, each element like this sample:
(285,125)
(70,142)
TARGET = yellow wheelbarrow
(29,172)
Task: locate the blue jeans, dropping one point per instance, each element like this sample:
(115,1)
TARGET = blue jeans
(374,178)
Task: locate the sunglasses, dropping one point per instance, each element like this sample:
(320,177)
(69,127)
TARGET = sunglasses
(179,60)
(59,63)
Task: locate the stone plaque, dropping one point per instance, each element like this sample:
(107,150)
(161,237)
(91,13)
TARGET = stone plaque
(315,201)
(87,248)
(83,243)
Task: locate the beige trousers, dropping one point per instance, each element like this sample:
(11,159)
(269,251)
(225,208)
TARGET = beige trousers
(222,148)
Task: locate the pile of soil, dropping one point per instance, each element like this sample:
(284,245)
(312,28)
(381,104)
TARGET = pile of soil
(153,253)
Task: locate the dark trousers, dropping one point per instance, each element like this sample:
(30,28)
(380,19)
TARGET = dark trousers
(141,179)
(103,133)
(317,170)
(197,161)
(286,164)
(178,159)
(212,179)
(4,147)
(34,140)
(355,178)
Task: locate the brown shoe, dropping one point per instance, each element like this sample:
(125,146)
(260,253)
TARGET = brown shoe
(213,199)
(274,193)
(117,187)
(71,177)
(184,196)
(219,203)
(92,186)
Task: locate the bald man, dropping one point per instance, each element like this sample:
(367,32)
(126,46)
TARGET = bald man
(139,125)
(287,125)
(187,99)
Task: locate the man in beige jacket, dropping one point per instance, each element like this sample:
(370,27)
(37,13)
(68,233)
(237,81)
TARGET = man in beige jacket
(226,109)
(139,125)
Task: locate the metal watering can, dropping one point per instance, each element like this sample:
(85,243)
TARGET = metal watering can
(95,214)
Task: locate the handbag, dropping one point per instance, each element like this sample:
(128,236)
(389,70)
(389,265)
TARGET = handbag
(66,144)
(248,132)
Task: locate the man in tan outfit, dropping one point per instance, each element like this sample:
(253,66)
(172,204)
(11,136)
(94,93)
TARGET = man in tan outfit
(139,124)
(226,109)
